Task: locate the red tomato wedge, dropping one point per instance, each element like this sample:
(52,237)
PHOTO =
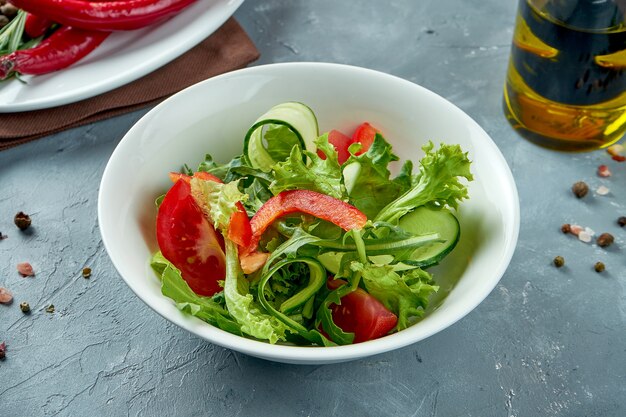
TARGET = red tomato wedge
(239,230)
(365,135)
(341,143)
(319,205)
(361,314)
(189,241)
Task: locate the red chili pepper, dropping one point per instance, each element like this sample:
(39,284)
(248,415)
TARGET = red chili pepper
(239,230)
(62,49)
(319,205)
(36,26)
(104,15)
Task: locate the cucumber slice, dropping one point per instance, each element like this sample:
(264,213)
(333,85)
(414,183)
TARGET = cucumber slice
(350,174)
(421,221)
(425,220)
(299,118)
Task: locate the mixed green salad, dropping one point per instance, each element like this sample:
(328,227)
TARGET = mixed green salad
(307,238)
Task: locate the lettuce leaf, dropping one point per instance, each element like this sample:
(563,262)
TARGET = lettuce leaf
(205,308)
(241,305)
(217,200)
(438,182)
(372,189)
(280,140)
(321,175)
(406,295)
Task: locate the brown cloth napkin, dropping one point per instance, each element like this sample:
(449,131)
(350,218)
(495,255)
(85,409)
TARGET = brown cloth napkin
(227,49)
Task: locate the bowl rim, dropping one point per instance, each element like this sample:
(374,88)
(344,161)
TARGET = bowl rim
(315,354)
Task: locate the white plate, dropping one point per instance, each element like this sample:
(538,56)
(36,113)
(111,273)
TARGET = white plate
(214,115)
(122,58)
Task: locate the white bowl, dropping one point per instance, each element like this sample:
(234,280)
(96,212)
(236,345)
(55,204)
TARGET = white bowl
(213,116)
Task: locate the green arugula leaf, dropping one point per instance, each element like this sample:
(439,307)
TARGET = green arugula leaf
(324,317)
(205,308)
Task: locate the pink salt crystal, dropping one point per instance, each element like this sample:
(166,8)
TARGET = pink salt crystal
(575,229)
(604,171)
(5,296)
(25,269)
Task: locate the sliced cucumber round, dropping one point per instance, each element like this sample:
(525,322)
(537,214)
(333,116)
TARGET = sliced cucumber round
(424,220)
(297,117)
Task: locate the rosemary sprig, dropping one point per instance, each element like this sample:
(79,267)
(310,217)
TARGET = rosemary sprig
(11,36)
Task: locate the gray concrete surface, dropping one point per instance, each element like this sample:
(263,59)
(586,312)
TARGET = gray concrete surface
(546,342)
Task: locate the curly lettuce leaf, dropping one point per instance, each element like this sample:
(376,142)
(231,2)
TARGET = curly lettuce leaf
(241,305)
(371,189)
(438,182)
(321,175)
(217,200)
(405,295)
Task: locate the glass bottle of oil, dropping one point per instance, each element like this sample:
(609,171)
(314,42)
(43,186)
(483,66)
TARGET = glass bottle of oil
(566,81)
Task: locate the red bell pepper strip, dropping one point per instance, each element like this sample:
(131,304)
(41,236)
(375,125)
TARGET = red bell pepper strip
(36,26)
(62,49)
(104,15)
(239,230)
(319,205)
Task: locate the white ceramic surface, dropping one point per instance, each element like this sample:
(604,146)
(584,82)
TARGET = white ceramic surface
(122,58)
(213,117)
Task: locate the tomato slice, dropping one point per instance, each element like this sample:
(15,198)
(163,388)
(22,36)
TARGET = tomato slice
(239,229)
(189,241)
(361,314)
(341,143)
(365,135)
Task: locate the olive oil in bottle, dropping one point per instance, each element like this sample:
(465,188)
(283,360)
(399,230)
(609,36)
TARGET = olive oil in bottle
(566,81)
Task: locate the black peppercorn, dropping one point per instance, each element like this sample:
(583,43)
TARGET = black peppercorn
(559,261)
(22,220)
(599,267)
(621,221)
(566,228)
(580,189)
(25,307)
(604,240)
